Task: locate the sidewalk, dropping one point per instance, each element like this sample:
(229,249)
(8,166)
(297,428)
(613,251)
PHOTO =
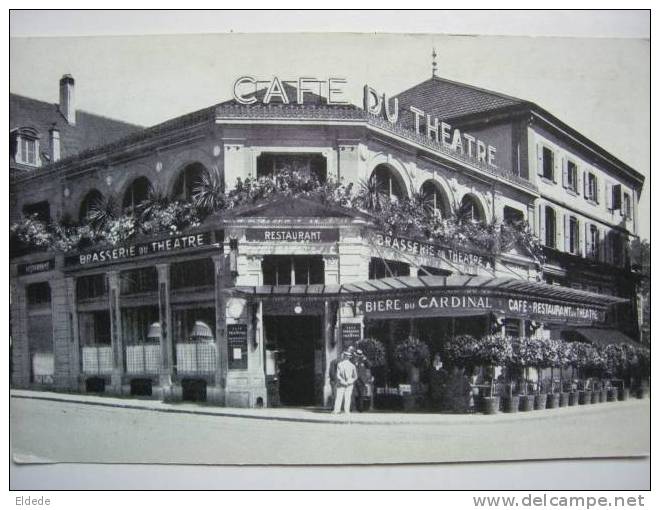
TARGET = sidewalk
(311,415)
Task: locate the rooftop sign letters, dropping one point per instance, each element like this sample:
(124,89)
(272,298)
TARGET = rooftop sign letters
(131,251)
(245,89)
(303,235)
(470,261)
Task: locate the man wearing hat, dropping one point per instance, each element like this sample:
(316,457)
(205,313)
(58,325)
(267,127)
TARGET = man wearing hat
(346,377)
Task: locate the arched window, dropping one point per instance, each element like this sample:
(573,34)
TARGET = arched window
(434,198)
(136,193)
(387,182)
(188,180)
(92,200)
(550,227)
(471,209)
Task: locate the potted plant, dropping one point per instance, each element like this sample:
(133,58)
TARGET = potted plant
(620,359)
(551,348)
(374,352)
(492,351)
(461,352)
(642,370)
(531,355)
(564,360)
(582,353)
(514,364)
(412,355)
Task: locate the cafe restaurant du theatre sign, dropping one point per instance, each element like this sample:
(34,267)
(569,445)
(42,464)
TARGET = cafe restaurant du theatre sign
(456,303)
(132,251)
(302,235)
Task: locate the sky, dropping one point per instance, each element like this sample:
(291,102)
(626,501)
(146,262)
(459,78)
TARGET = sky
(601,87)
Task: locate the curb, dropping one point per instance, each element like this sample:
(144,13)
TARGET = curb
(409,419)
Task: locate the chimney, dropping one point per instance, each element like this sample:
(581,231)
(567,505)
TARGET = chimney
(67,100)
(54,144)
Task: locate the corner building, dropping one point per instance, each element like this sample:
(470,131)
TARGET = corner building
(250,307)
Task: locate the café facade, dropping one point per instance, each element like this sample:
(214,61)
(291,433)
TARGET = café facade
(249,307)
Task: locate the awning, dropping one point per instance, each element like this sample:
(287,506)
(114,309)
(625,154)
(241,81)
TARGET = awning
(599,336)
(451,296)
(407,284)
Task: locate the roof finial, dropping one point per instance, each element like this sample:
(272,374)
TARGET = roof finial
(435,64)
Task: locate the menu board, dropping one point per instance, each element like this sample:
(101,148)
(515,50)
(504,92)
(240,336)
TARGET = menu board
(237,346)
(351,332)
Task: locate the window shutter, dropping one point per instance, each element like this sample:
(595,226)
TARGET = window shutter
(585,181)
(609,202)
(578,180)
(564,172)
(556,168)
(599,191)
(542,223)
(539,159)
(601,245)
(567,233)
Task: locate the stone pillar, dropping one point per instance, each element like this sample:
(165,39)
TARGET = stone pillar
(62,333)
(216,393)
(74,353)
(20,348)
(348,159)
(167,390)
(331,348)
(114,289)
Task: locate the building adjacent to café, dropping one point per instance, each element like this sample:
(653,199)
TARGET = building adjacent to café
(250,304)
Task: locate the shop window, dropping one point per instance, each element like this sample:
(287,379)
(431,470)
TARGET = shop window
(385,181)
(192,273)
(39,209)
(471,210)
(91,287)
(136,193)
(306,165)
(92,201)
(94,328)
(550,227)
(184,320)
(513,216)
(571,176)
(38,294)
(188,181)
(379,268)
(512,327)
(136,281)
(293,270)
(433,198)
(591,187)
(548,164)
(137,325)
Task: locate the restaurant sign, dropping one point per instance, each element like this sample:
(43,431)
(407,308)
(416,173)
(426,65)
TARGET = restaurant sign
(302,235)
(36,267)
(132,251)
(470,261)
(454,303)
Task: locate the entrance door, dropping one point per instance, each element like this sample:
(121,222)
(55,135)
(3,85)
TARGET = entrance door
(294,338)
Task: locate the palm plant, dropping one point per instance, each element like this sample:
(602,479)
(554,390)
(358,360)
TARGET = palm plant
(102,211)
(208,192)
(156,201)
(372,194)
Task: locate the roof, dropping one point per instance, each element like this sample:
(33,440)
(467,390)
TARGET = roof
(90,130)
(448,99)
(403,284)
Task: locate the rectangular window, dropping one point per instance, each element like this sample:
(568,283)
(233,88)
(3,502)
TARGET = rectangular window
(512,327)
(293,270)
(574,234)
(627,205)
(92,286)
(592,188)
(571,176)
(550,227)
(28,151)
(140,280)
(38,294)
(94,328)
(548,164)
(594,241)
(192,273)
(513,216)
(379,268)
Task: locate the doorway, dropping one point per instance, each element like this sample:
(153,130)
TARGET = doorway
(295,340)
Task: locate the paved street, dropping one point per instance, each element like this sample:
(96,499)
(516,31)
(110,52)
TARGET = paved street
(54,430)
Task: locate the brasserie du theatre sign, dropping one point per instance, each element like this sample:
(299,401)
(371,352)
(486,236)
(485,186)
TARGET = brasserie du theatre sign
(425,124)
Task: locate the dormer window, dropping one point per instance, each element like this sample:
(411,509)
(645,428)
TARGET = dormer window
(27,146)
